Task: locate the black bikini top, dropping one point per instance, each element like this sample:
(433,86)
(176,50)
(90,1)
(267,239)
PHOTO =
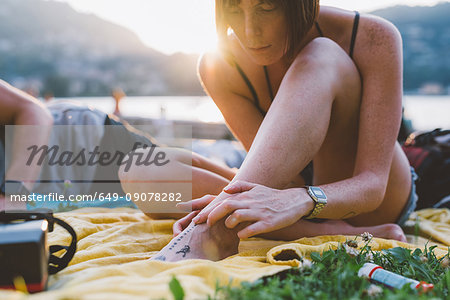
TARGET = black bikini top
(266,73)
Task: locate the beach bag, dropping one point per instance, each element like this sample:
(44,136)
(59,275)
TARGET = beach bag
(429,154)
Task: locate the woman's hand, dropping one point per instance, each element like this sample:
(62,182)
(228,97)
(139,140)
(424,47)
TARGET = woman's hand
(266,208)
(194,206)
(184,222)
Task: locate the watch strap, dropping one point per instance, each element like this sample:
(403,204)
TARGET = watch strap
(318,205)
(317,209)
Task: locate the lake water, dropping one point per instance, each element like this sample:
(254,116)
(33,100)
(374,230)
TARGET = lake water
(426,112)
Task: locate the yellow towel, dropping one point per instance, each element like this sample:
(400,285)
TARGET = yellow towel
(434,224)
(291,254)
(114,246)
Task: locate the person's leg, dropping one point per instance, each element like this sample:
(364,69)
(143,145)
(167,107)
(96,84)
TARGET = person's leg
(204,176)
(202,242)
(294,131)
(304,228)
(309,115)
(305,123)
(218,242)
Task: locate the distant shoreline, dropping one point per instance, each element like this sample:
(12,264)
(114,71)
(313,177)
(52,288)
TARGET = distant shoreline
(426,111)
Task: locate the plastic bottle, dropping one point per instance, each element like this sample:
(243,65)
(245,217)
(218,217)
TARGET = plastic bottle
(377,274)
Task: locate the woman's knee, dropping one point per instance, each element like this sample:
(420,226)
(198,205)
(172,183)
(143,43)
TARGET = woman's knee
(324,53)
(141,166)
(130,168)
(142,160)
(323,50)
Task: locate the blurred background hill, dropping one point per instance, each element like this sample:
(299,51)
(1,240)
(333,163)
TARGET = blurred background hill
(426,45)
(49,47)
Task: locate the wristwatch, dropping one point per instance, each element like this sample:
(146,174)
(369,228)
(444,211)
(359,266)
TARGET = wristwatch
(319,198)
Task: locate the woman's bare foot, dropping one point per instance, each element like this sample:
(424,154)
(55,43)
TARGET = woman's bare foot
(202,242)
(218,242)
(385,231)
(303,228)
(389,231)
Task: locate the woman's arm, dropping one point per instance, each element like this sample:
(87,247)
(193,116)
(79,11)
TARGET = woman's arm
(378,56)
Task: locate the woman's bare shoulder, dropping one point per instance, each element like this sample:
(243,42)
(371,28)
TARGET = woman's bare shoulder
(378,43)
(373,33)
(217,70)
(212,63)
(337,18)
(374,30)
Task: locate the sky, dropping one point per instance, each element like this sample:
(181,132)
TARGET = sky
(188,26)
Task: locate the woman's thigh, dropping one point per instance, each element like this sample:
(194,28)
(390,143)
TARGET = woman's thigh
(396,196)
(335,158)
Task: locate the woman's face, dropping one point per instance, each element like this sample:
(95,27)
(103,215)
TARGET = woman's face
(261,29)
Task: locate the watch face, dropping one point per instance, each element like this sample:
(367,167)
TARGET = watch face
(318,193)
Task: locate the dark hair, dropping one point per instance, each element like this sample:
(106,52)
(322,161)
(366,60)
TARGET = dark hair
(300,17)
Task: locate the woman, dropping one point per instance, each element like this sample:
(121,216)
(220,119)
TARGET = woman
(294,86)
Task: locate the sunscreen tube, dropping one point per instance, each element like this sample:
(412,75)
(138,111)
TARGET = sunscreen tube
(377,274)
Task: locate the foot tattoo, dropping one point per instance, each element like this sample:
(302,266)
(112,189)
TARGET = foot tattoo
(185,250)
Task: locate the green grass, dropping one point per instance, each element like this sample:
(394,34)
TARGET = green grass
(334,275)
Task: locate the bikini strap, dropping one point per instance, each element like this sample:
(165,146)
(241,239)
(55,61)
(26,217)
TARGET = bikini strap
(251,88)
(269,86)
(354,32)
(318,29)
(266,73)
